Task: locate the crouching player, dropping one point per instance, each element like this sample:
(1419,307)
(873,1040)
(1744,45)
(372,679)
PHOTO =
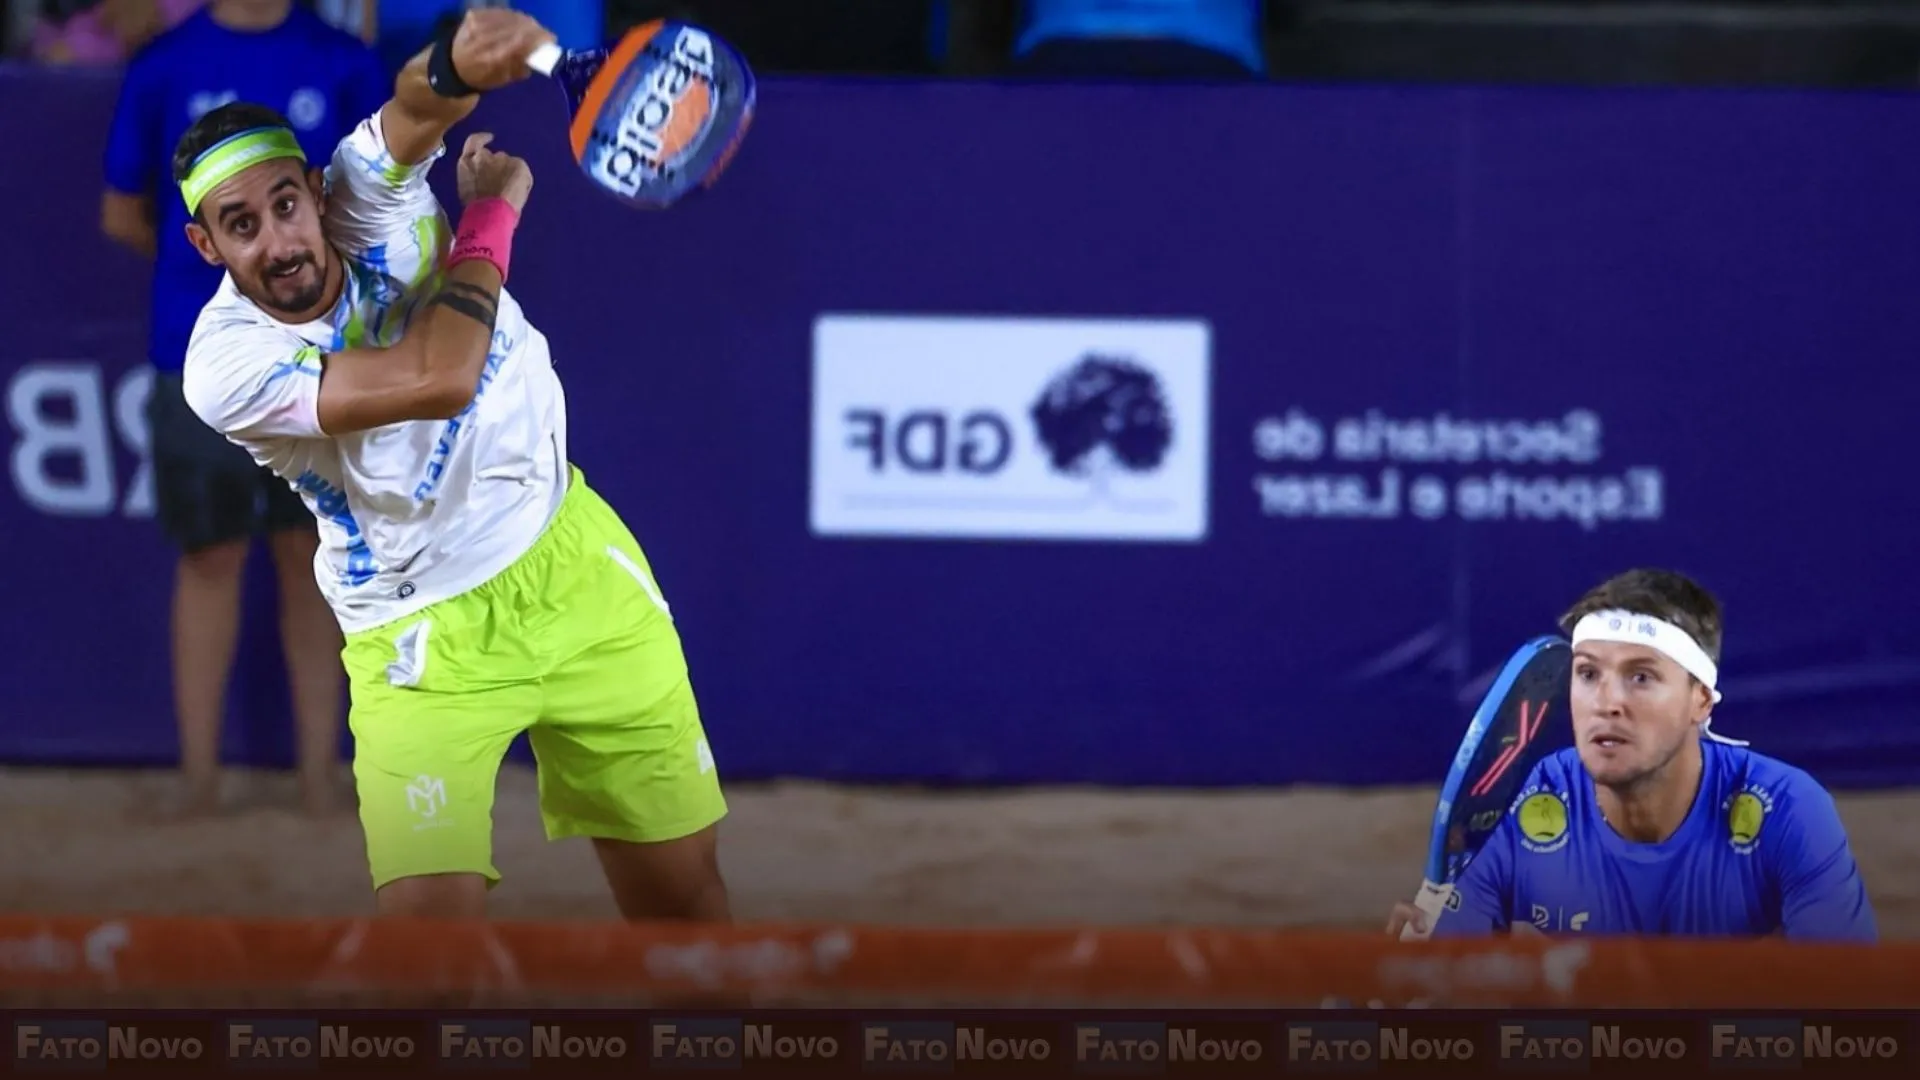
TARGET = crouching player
(1649,824)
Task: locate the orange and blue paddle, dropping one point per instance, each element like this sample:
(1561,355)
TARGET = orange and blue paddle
(657,116)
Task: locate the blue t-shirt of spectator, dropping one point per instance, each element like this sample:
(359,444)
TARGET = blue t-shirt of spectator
(1231,27)
(323,80)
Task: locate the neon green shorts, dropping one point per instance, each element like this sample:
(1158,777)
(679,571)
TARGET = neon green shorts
(574,645)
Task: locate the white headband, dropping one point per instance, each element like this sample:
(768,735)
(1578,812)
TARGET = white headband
(1632,628)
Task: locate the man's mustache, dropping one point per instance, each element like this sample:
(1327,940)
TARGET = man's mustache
(284,266)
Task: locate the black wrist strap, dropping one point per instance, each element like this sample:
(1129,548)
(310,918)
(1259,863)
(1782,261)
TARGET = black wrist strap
(440,74)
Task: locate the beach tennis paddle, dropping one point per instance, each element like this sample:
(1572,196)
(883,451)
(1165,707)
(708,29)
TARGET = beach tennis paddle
(658,115)
(1522,719)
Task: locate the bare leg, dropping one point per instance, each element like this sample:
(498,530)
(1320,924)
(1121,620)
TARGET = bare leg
(435,896)
(206,624)
(310,640)
(673,879)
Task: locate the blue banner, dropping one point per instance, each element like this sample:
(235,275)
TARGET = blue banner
(1138,435)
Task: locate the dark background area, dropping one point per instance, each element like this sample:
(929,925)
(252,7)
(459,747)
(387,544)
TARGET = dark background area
(1833,44)
(1836,43)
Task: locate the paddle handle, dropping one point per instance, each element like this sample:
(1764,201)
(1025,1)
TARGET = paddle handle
(1430,901)
(546,57)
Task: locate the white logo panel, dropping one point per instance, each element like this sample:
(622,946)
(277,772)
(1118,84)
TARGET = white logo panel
(1010,428)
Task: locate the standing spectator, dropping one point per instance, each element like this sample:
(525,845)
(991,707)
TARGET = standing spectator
(212,498)
(1190,39)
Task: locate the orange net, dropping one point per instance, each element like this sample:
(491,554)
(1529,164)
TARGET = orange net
(396,963)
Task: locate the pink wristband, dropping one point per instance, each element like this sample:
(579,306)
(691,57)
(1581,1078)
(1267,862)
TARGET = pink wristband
(485,233)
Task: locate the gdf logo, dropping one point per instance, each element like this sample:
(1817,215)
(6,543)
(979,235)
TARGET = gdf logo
(1105,412)
(67,425)
(1037,428)
(1102,413)
(977,441)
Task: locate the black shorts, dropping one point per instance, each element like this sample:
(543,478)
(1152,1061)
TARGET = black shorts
(208,491)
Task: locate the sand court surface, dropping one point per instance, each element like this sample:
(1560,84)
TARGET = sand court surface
(89,842)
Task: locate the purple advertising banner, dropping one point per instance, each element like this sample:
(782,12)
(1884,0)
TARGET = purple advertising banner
(1143,435)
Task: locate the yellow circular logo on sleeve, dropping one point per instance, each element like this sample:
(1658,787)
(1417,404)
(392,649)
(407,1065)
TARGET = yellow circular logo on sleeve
(1744,818)
(1543,818)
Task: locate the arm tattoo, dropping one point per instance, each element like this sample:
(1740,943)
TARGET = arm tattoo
(472,301)
(478,292)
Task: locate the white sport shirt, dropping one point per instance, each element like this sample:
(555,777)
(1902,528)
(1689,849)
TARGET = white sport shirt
(415,512)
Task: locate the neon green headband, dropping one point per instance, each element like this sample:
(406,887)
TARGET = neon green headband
(232,154)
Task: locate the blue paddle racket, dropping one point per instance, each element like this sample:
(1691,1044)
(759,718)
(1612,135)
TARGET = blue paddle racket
(1522,719)
(656,117)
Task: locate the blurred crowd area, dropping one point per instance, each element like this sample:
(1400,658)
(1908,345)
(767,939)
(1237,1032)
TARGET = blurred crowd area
(1786,43)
